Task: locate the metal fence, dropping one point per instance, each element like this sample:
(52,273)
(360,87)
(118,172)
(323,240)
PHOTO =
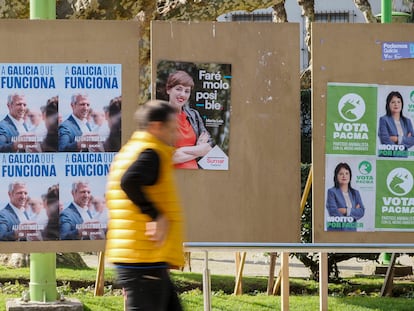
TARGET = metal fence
(285,249)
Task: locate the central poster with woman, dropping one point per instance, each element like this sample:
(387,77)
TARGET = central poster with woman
(395,127)
(350,193)
(200,92)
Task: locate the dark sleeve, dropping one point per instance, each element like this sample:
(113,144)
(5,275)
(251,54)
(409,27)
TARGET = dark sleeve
(6,145)
(66,138)
(202,128)
(143,172)
(113,142)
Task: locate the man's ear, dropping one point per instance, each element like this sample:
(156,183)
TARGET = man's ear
(154,127)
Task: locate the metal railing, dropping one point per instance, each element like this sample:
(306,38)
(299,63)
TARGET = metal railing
(322,248)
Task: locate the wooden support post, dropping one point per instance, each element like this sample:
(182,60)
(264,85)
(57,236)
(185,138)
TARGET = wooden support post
(276,287)
(100,280)
(386,289)
(239,266)
(206,284)
(270,282)
(187,261)
(284,268)
(323,281)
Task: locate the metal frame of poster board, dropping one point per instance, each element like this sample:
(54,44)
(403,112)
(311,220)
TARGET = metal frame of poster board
(74,42)
(258,198)
(360,52)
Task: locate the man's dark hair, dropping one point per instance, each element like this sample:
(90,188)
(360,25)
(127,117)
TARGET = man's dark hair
(153,110)
(114,107)
(51,231)
(51,107)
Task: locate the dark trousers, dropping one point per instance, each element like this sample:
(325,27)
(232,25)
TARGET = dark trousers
(148,289)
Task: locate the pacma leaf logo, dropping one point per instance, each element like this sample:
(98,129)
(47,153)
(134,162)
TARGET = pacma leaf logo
(400,181)
(351,107)
(365,167)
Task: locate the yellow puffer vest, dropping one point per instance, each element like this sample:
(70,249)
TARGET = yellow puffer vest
(126,241)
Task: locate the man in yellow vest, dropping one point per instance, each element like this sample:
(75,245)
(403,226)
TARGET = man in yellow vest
(145,228)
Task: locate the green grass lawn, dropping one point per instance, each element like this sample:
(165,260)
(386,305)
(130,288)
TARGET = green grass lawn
(193,301)
(354,294)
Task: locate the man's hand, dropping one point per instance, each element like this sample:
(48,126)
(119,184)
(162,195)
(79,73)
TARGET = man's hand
(157,230)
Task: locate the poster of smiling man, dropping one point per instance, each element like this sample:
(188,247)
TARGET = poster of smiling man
(59,122)
(87,98)
(26,90)
(201,94)
(26,214)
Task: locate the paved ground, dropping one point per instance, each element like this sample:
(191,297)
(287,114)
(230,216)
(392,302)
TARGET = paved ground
(257,264)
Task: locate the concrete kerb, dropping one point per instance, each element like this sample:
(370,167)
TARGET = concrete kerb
(17,304)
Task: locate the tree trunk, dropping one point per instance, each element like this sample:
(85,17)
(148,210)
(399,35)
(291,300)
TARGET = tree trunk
(279,12)
(365,7)
(308,10)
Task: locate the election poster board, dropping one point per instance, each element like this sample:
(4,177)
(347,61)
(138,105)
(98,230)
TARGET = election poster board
(362,131)
(47,108)
(206,101)
(357,140)
(60,128)
(257,197)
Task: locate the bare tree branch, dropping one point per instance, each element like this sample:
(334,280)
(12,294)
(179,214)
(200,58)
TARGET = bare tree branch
(208,10)
(365,7)
(279,12)
(308,10)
